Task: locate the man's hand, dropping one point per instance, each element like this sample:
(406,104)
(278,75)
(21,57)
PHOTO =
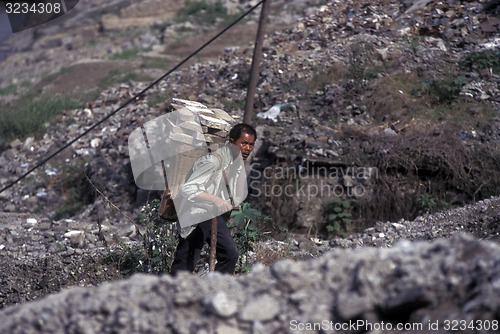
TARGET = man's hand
(219,203)
(222,205)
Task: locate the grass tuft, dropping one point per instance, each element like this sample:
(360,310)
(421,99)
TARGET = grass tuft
(33,115)
(205,12)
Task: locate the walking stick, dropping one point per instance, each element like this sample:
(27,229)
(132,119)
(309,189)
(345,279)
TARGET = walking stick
(213,244)
(213,237)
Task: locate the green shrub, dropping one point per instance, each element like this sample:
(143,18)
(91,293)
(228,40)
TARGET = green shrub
(479,60)
(160,239)
(246,219)
(426,203)
(128,259)
(235,105)
(158,245)
(444,91)
(339,218)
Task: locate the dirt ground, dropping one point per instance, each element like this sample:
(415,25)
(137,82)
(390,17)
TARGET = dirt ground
(36,259)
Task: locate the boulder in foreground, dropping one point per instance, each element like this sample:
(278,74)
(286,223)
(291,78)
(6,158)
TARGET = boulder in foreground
(414,285)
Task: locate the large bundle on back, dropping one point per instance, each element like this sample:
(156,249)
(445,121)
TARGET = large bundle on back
(195,130)
(163,151)
(215,123)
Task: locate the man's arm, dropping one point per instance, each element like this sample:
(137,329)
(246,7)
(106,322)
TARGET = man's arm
(195,187)
(221,204)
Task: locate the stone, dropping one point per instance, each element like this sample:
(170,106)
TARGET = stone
(222,305)
(390,132)
(398,226)
(10,208)
(224,329)
(15,143)
(95,142)
(77,238)
(260,309)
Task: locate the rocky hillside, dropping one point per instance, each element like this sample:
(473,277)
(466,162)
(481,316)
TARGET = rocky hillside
(155,34)
(430,142)
(81,56)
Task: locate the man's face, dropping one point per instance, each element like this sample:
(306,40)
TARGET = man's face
(245,143)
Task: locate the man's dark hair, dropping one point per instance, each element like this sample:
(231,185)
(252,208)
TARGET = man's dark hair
(238,129)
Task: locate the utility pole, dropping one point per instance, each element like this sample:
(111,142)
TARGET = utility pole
(248,116)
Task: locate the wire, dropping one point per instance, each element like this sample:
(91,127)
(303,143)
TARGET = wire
(136,97)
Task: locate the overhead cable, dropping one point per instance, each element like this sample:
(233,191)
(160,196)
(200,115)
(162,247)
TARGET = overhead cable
(134,98)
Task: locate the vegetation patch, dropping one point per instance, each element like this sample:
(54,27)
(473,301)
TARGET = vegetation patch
(8,90)
(479,60)
(131,54)
(31,115)
(74,189)
(442,91)
(408,98)
(234,104)
(157,97)
(115,76)
(397,103)
(205,12)
(246,222)
(126,54)
(155,62)
(338,217)
(421,171)
(159,240)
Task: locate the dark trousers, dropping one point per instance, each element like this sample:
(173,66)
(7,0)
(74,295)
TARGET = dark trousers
(188,250)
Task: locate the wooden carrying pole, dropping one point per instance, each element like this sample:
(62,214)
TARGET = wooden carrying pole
(213,244)
(255,71)
(213,237)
